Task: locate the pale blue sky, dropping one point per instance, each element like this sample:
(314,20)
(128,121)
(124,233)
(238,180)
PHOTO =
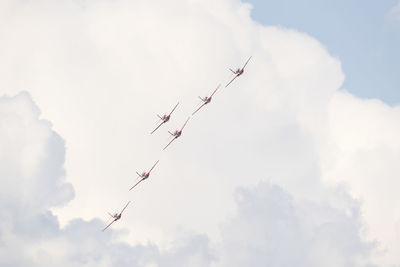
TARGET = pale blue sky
(360,33)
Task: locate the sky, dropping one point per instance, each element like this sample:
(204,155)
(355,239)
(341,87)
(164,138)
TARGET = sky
(364,35)
(295,163)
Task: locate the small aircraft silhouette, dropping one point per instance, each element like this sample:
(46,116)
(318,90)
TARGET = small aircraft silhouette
(238,72)
(176,134)
(206,100)
(116,216)
(144,175)
(164,118)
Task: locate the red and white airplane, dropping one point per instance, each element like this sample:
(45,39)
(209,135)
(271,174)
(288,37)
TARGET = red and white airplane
(116,216)
(144,175)
(164,118)
(176,134)
(238,72)
(206,100)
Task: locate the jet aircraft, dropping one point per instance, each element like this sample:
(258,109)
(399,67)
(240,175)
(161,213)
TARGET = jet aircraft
(176,134)
(206,100)
(116,216)
(144,175)
(238,72)
(164,118)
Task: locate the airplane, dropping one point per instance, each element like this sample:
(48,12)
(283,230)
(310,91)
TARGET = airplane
(176,134)
(238,72)
(144,175)
(116,216)
(206,100)
(164,118)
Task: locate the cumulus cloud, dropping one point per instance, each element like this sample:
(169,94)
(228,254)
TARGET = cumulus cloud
(270,224)
(273,228)
(32,178)
(362,154)
(101,70)
(33,156)
(81,243)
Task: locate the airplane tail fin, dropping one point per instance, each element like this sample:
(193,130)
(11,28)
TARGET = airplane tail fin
(111,217)
(160,119)
(201,101)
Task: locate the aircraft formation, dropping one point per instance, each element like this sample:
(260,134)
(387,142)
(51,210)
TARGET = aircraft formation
(177,133)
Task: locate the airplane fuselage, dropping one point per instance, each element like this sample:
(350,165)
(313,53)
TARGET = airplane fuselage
(116,216)
(145,175)
(206,99)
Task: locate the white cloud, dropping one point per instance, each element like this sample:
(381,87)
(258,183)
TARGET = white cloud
(270,224)
(30,234)
(272,228)
(364,154)
(32,155)
(101,70)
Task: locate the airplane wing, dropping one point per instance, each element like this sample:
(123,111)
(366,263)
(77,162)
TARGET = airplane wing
(136,184)
(169,143)
(185,124)
(231,80)
(137,178)
(157,128)
(246,62)
(215,90)
(109,225)
(125,207)
(173,109)
(199,108)
(154,166)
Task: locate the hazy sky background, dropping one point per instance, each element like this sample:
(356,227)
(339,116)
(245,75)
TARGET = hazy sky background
(364,35)
(295,163)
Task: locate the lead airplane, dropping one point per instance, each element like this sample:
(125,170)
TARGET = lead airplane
(206,100)
(164,118)
(176,134)
(238,72)
(144,175)
(116,216)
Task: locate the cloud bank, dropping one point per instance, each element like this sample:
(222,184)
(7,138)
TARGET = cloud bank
(269,225)
(272,228)
(33,181)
